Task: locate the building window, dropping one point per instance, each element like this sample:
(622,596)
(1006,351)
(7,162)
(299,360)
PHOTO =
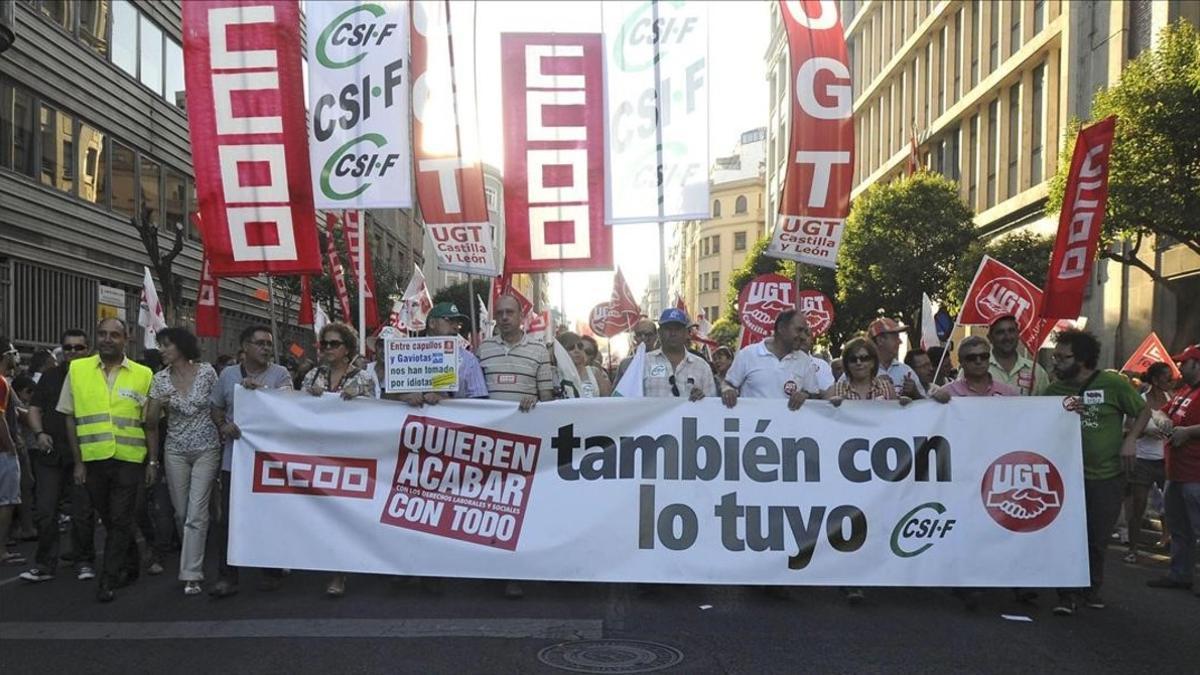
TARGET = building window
(739,241)
(941,73)
(1140,22)
(714,281)
(93,25)
(956,67)
(973,162)
(1039,15)
(927,120)
(124,36)
(175,202)
(994,36)
(716,244)
(976,31)
(124,190)
(704,247)
(61,13)
(92,159)
(150,195)
(950,154)
(1014,28)
(993,141)
(150,44)
(716,208)
(193,206)
(739,206)
(1037,125)
(58,149)
(174,90)
(18,130)
(1014,138)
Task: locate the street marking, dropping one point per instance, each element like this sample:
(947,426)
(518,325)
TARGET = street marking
(548,629)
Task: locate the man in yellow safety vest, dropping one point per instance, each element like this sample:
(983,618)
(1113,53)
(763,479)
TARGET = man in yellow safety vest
(104,401)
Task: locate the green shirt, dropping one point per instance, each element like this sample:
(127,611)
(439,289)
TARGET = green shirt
(1106,401)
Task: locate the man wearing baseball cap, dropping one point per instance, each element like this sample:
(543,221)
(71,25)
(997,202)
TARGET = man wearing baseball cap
(672,370)
(1182,497)
(444,320)
(885,333)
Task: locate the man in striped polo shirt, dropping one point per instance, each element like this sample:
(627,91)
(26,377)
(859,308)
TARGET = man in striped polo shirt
(515,367)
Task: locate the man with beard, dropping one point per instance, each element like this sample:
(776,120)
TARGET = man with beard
(1007,364)
(1104,401)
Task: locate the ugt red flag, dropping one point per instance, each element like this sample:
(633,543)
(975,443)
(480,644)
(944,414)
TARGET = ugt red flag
(761,302)
(815,199)
(1079,221)
(503,286)
(997,291)
(248,128)
(623,310)
(1150,352)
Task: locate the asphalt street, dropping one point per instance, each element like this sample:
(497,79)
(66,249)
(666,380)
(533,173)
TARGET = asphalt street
(394,625)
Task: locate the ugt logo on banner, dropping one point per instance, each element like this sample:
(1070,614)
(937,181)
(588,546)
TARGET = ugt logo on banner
(358,94)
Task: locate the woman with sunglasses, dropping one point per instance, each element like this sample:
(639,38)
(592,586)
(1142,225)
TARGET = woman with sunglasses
(337,374)
(192,450)
(593,382)
(862,381)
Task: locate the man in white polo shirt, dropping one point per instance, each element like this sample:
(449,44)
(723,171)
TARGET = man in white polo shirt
(775,367)
(885,333)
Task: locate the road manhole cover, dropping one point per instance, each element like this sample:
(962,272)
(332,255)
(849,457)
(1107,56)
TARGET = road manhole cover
(610,656)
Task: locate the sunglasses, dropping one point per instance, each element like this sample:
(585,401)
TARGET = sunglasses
(975,358)
(644,333)
(74,348)
(331,344)
(862,358)
(265,343)
(674,387)
(577,345)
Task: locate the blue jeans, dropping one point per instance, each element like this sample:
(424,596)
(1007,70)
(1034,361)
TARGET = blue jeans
(1183,520)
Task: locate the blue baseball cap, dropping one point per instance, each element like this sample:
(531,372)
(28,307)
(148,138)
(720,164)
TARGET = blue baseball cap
(673,315)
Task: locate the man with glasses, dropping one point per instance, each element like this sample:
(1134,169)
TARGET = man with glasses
(1008,365)
(974,355)
(672,370)
(644,333)
(1105,402)
(254,372)
(445,320)
(53,466)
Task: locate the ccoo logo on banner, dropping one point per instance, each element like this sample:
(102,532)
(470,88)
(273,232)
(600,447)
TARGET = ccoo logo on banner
(359,98)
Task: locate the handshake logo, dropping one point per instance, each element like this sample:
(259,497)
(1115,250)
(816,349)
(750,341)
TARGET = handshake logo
(1022,491)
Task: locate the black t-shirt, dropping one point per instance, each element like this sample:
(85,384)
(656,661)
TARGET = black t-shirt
(45,397)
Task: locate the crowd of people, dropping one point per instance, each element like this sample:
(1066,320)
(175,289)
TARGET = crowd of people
(96,437)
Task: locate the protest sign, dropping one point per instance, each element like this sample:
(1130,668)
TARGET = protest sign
(661,490)
(420,364)
(761,302)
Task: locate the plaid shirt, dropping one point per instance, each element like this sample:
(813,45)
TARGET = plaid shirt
(881,388)
(656,378)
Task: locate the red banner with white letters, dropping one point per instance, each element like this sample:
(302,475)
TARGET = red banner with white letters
(248,129)
(336,272)
(815,199)
(623,309)
(553,88)
(355,229)
(1150,352)
(448,174)
(761,302)
(997,291)
(208,308)
(1079,221)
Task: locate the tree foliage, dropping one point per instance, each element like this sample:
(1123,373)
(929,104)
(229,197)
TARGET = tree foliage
(463,297)
(1154,173)
(1026,252)
(902,239)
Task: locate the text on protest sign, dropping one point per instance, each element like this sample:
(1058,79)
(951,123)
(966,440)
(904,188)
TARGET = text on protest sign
(815,199)
(246,123)
(420,364)
(761,302)
(658,490)
(359,93)
(553,85)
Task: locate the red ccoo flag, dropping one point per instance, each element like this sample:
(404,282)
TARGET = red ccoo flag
(1079,221)
(208,308)
(1151,351)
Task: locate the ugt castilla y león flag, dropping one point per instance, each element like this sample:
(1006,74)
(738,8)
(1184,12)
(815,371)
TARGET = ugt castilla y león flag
(249,136)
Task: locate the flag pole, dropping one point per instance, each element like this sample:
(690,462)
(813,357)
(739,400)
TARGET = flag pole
(658,151)
(274,325)
(471,306)
(362,281)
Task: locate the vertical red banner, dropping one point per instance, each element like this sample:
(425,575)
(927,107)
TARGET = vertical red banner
(305,316)
(1079,221)
(355,227)
(208,308)
(336,272)
(553,89)
(815,199)
(248,129)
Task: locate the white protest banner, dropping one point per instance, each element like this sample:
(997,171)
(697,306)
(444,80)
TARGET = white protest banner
(420,364)
(637,70)
(358,98)
(659,490)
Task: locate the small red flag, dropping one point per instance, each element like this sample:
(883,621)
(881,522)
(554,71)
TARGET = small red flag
(208,308)
(1151,351)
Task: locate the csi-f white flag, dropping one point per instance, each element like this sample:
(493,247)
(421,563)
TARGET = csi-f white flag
(630,385)
(358,98)
(150,312)
(631,84)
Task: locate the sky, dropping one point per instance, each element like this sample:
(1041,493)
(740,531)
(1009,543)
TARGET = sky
(738,36)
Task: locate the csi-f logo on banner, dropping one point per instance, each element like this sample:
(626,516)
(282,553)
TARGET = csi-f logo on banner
(359,94)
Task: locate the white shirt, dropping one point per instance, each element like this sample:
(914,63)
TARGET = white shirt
(897,372)
(758,373)
(823,372)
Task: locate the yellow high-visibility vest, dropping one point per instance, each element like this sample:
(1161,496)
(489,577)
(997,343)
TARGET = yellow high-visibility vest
(108,422)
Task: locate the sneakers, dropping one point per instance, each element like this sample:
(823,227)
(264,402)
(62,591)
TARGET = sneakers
(1168,582)
(1064,607)
(1093,601)
(192,588)
(854,596)
(1130,558)
(155,568)
(35,575)
(85,573)
(223,589)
